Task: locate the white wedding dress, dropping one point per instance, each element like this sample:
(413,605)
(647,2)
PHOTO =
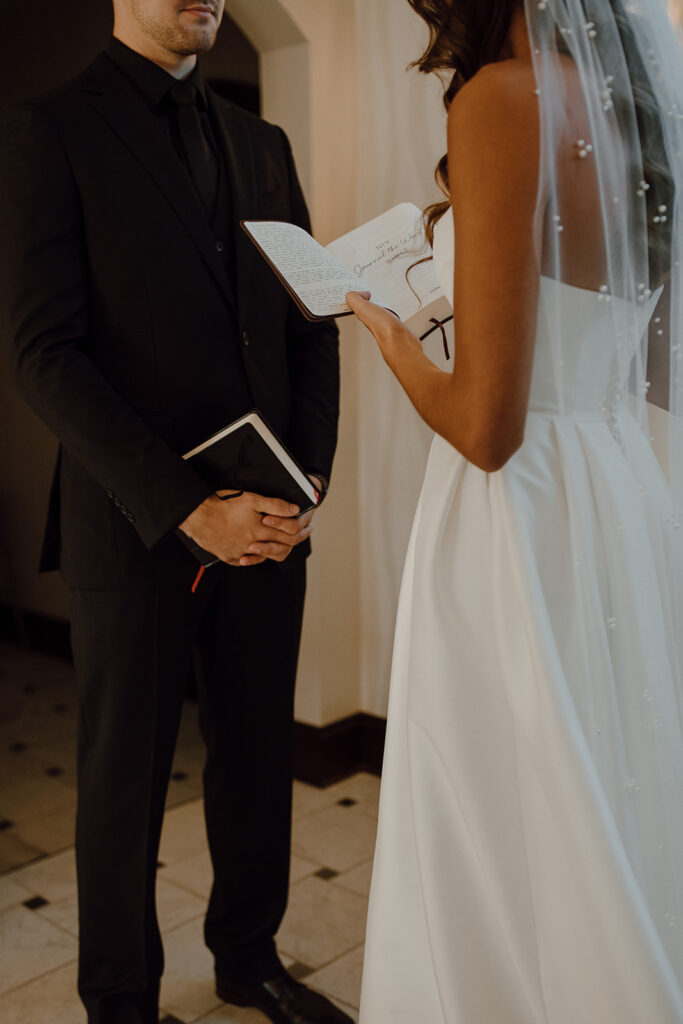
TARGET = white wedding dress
(529,859)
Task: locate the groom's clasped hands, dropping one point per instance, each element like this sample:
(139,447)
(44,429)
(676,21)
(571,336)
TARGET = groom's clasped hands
(247,529)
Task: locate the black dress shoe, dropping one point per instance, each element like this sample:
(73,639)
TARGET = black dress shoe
(283,1000)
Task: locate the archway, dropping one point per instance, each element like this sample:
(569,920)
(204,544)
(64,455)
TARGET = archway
(283,71)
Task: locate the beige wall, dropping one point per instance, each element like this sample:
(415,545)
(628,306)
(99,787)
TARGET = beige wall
(307,59)
(676,9)
(329,681)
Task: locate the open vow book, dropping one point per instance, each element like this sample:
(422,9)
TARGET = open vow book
(375,257)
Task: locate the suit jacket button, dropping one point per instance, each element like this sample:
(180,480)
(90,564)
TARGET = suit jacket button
(117,501)
(110,493)
(130,517)
(245,338)
(219,247)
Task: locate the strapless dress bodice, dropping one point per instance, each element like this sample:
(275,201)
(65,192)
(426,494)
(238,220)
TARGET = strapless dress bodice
(576,369)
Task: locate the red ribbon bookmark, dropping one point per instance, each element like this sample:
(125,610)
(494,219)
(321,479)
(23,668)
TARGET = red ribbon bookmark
(198,577)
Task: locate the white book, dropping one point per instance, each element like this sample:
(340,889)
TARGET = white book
(382,257)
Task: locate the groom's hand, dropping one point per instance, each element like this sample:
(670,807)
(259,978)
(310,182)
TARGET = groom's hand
(236,532)
(300,528)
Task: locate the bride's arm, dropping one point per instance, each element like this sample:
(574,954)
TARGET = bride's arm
(493,154)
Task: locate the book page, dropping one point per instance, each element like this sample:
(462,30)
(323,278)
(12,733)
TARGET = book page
(318,279)
(380,252)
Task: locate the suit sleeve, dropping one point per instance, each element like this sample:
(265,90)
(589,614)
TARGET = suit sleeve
(313,353)
(44,302)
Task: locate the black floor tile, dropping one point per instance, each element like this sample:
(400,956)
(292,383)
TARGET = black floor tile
(36,902)
(326,873)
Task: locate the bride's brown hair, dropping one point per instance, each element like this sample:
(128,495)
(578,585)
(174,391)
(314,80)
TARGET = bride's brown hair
(463,36)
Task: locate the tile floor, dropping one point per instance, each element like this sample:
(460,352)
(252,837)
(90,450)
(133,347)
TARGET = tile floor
(321,938)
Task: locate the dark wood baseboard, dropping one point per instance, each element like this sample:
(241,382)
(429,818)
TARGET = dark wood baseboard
(328,753)
(322,754)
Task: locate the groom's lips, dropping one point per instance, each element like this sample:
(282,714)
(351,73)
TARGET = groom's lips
(200,9)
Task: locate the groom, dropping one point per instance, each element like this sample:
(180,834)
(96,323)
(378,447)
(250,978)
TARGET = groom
(142,323)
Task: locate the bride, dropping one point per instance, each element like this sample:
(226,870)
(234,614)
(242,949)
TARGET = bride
(529,863)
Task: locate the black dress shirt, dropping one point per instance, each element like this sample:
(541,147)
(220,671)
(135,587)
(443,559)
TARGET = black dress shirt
(154,85)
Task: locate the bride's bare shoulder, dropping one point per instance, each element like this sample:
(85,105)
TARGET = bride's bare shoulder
(501,96)
(494,127)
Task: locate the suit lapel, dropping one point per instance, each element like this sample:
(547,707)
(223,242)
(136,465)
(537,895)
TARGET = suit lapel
(120,105)
(238,155)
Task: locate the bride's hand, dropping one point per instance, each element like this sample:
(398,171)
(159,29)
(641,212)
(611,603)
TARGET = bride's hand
(384,325)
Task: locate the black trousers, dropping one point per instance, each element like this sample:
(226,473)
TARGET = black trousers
(132,651)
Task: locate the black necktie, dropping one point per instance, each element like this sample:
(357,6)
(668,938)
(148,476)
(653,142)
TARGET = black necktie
(200,158)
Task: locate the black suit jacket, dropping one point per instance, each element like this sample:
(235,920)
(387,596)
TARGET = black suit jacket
(121,314)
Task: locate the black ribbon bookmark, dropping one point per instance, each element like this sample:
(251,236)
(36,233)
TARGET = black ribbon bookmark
(439,325)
